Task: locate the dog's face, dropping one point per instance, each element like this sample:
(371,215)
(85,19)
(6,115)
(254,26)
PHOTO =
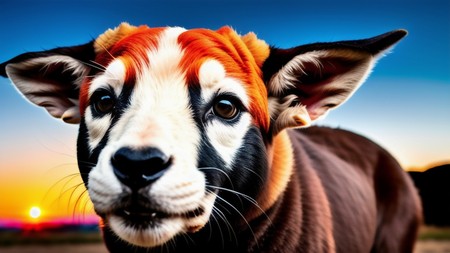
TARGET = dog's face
(177,127)
(169,122)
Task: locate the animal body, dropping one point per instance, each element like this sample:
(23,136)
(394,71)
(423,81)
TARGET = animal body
(186,142)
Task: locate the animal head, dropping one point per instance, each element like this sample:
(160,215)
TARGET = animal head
(179,127)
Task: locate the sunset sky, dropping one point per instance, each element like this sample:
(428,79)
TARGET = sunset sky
(404,105)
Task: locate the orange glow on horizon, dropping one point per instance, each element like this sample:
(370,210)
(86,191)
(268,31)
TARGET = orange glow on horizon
(58,193)
(429,166)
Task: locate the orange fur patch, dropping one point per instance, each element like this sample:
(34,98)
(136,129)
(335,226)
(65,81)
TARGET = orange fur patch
(112,36)
(131,49)
(280,170)
(259,48)
(84,94)
(227,47)
(241,57)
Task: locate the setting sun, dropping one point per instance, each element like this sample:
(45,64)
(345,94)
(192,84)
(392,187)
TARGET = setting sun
(35,212)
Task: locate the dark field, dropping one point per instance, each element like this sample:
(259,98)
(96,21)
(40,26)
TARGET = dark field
(432,240)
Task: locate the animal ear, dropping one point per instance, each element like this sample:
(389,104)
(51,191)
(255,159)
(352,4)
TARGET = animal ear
(52,78)
(306,81)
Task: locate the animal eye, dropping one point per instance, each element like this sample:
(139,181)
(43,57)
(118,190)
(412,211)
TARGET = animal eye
(103,101)
(225,109)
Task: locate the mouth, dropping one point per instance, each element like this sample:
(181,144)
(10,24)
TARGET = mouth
(152,216)
(140,217)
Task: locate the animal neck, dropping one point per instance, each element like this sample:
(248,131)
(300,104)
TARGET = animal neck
(280,158)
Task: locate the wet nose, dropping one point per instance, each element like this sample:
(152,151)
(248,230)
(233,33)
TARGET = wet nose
(138,168)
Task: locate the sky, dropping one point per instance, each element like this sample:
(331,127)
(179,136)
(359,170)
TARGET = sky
(404,105)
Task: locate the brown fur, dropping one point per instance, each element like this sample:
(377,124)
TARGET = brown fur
(345,194)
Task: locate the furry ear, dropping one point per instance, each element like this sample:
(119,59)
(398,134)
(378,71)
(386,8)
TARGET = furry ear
(259,48)
(306,81)
(112,36)
(52,78)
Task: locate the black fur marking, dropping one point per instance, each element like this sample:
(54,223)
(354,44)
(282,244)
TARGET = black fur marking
(84,53)
(208,156)
(246,176)
(250,164)
(87,160)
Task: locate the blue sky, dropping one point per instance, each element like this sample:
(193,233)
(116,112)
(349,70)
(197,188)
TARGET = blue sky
(405,104)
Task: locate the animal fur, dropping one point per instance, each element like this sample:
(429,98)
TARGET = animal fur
(186,142)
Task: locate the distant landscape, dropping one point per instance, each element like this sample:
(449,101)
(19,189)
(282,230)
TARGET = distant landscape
(73,237)
(49,234)
(87,239)
(51,237)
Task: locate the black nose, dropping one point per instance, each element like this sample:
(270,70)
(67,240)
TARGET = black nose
(139,168)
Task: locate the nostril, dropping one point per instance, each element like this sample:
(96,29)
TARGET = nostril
(138,168)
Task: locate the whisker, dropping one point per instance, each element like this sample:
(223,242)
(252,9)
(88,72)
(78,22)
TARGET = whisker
(87,163)
(248,198)
(219,170)
(100,67)
(68,181)
(83,204)
(218,225)
(51,188)
(62,193)
(74,189)
(231,232)
(254,173)
(107,51)
(77,202)
(221,216)
(186,238)
(94,65)
(42,143)
(241,215)
(94,76)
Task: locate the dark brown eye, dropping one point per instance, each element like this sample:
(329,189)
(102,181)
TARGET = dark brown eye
(103,102)
(225,109)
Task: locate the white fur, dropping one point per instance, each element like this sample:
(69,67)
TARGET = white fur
(159,116)
(113,76)
(225,139)
(213,79)
(147,237)
(228,139)
(104,187)
(97,127)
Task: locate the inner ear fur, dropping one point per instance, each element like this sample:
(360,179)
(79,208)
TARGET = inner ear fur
(305,82)
(52,78)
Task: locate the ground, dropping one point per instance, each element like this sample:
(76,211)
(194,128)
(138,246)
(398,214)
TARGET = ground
(432,240)
(66,248)
(426,246)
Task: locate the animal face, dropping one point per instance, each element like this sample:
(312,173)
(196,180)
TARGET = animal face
(178,127)
(166,122)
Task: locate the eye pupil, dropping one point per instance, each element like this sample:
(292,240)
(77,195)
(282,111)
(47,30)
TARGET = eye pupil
(225,109)
(103,102)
